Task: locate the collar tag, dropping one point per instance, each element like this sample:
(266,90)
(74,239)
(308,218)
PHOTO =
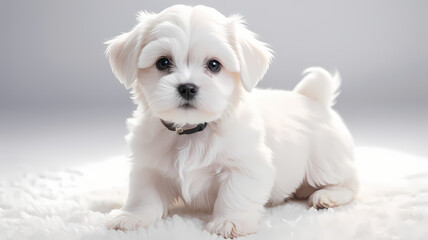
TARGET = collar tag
(179,131)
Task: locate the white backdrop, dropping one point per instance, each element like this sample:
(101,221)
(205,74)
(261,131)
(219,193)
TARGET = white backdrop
(61,105)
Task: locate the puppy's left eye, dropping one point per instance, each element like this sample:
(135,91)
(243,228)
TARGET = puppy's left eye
(214,65)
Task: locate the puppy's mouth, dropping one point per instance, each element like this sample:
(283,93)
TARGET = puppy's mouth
(187,106)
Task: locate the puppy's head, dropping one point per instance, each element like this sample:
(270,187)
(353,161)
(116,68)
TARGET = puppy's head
(186,64)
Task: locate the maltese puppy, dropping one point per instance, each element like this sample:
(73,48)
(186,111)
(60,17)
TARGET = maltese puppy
(203,134)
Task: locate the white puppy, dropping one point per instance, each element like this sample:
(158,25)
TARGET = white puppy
(199,135)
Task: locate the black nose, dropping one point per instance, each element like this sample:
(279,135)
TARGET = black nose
(188,90)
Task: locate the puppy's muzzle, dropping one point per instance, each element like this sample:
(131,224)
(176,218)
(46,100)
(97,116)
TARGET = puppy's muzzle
(188,91)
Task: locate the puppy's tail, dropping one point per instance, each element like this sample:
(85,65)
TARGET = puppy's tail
(319,85)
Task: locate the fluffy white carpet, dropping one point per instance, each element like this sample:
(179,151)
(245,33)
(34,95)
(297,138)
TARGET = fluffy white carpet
(72,204)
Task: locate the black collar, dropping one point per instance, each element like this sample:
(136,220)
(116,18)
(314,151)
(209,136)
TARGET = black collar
(170,126)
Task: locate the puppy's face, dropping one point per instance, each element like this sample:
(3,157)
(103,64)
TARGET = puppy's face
(186,64)
(187,69)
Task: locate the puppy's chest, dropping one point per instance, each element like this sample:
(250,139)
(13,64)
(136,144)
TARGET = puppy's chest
(197,171)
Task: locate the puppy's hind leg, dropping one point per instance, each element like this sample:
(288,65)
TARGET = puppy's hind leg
(333,196)
(332,174)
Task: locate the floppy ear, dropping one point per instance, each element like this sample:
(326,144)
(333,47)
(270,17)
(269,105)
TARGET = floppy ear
(123,52)
(254,55)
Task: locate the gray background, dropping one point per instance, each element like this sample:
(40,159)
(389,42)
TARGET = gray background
(60,105)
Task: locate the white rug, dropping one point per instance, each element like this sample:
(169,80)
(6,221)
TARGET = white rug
(72,204)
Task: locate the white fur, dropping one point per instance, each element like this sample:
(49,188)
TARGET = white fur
(260,147)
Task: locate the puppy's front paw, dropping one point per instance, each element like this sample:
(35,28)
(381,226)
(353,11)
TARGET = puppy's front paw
(230,228)
(125,221)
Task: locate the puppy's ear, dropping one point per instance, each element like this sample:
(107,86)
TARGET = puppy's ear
(254,55)
(123,52)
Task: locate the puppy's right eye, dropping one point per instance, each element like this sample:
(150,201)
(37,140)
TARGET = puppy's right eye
(163,64)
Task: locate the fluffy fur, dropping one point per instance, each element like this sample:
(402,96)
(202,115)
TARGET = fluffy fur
(260,146)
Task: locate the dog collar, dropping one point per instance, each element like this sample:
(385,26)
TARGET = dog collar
(180,131)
